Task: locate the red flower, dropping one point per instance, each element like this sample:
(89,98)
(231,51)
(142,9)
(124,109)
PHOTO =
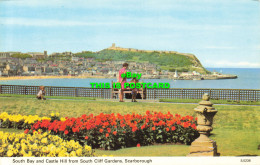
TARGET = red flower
(101,130)
(167,129)
(86,137)
(138,145)
(193,126)
(108,130)
(153,128)
(66,132)
(114,132)
(107,134)
(134,129)
(26,131)
(173,128)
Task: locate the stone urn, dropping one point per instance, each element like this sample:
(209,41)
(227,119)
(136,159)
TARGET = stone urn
(203,145)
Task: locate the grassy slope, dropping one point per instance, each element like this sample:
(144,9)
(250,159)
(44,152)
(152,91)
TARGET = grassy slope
(235,127)
(167,61)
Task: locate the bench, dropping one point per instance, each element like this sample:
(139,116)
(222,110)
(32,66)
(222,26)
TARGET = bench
(115,91)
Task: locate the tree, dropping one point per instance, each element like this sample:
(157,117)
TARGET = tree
(22,56)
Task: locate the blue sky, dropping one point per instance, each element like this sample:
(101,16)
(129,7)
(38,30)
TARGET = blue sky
(221,33)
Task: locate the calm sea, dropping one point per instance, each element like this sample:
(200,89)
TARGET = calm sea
(247,79)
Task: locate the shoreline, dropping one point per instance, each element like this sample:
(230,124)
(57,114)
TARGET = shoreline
(46,77)
(207,77)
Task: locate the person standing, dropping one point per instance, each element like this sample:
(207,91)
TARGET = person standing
(122,81)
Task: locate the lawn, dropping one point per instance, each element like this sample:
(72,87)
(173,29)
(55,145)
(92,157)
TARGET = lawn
(213,101)
(236,127)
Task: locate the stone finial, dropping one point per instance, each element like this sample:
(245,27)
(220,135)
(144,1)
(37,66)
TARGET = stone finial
(206,97)
(204,146)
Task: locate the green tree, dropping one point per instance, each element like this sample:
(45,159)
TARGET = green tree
(20,55)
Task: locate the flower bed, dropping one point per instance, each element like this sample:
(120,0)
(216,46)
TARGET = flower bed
(40,145)
(23,121)
(110,131)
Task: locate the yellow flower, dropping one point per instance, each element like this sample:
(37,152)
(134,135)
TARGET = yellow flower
(62,153)
(88,148)
(16,151)
(17,145)
(34,146)
(79,152)
(57,114)
(44,149)
(24,146)
(58,150)
(38,145)
(9,153)
(44,134)
(16,139)
(52,114)
(10,147)
(44,140)
(73,154)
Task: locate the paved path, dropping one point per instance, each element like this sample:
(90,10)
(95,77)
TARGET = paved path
(139,100)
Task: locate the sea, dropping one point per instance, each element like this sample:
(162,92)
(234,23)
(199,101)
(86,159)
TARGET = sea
(248,78)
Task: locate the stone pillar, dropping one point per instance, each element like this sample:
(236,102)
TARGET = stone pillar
(204,146)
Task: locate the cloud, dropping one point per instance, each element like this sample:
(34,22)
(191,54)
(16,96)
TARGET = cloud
(227,64)
(167,23)
(220,47)
(50,22)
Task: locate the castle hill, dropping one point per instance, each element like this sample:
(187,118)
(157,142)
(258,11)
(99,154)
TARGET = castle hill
(150,64)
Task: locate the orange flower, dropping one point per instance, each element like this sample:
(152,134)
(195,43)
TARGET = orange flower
(153,128)
(114,132)
(107,134)
(86,137)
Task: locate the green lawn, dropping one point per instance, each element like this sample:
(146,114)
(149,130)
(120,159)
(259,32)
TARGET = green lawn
(48,97)
(213,101)
(236,128)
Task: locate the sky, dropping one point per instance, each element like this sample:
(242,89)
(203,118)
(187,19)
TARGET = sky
(221,33)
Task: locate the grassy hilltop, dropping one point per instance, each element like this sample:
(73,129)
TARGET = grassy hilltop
(166,60)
